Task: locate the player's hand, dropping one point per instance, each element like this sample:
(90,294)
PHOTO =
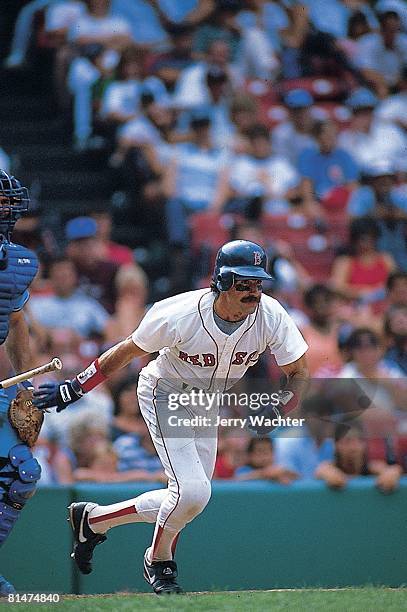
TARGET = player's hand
(57,394)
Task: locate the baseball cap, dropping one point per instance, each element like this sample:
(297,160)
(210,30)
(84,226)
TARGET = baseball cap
(80,227)
(298,98)
(362,98)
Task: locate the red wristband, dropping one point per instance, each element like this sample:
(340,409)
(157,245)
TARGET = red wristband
(288,402)
(91,377)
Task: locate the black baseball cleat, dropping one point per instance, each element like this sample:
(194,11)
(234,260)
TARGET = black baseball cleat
(85,539)
(161,576)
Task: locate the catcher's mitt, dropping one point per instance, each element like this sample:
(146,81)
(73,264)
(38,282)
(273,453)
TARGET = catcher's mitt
(25,417)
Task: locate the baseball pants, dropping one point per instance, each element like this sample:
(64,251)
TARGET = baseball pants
(188,455)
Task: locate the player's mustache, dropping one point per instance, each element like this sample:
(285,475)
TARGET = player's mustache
(250,298)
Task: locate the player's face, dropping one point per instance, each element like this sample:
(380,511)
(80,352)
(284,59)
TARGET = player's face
(5,206)
(246,294)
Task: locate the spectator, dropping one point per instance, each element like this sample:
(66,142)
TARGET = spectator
(270,17)
(144,144)
(68,308)
(192,87)
(321,333)
(231,453)
(351,460)
(370,140)
(394,107)
(293,136)
(332,16)
(121,98)
(221,25)
(168,66)
(261,464)
(127,418)
(100,26)
(263,175)
(395,328)
(93,66)
(104,467)
(109,250)
(23,31)
(101,36)
(194,181)
(326,168)
(379,194)
(385,201)
(302,449)
(96,276)
(136,454)
(366,361)
(363,273)
(60,17)
(397,288)
(382,55)
(358,25)
(244,115)
(130,306)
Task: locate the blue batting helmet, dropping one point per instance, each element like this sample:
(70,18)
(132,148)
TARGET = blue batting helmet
(242,259)
(14,202)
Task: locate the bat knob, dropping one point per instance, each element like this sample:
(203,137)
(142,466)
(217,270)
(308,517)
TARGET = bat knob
(56,363)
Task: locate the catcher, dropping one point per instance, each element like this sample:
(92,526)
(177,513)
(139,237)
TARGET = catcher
(19,471)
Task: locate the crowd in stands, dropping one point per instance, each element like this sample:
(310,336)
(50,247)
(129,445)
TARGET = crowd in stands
(282,122)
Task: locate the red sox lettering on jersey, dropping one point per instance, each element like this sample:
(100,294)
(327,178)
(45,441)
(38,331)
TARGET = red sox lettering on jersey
(196,349)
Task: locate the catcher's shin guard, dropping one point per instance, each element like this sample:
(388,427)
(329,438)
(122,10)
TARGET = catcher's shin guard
(19,474)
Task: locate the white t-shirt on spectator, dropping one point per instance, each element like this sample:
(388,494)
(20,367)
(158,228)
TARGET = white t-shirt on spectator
(383,141)
(63,15)
(142,131)
(98,27)
(283,176)
(373,55)
(191,88)
(393,109)
(198,172)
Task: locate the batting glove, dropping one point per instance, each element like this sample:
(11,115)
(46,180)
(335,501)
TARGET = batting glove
(57,394)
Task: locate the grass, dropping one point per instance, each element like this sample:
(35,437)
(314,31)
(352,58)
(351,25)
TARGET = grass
(366,599)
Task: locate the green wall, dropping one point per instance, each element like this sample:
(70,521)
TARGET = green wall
(251,536)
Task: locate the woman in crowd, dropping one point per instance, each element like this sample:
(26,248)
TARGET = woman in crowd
(351,460)
(363,273)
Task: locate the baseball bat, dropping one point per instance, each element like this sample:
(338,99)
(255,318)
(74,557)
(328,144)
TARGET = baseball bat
(55,364)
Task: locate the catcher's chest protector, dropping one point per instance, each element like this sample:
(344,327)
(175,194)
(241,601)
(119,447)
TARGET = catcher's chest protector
(15,278)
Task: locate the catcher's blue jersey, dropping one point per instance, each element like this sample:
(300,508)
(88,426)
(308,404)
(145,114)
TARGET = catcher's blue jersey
(21,266)
(17,270)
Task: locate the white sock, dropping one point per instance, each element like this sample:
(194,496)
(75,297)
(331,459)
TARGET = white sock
(141,509)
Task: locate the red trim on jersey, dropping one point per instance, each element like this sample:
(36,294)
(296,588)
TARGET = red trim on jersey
(118,513)
(91,377)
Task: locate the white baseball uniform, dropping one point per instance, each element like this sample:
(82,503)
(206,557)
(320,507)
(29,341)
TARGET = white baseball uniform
(193,353)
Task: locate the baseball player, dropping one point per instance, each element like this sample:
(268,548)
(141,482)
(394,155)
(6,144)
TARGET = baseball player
(19,470)
(206,340)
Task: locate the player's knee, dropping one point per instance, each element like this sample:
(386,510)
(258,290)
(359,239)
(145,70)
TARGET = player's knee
(195,494)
